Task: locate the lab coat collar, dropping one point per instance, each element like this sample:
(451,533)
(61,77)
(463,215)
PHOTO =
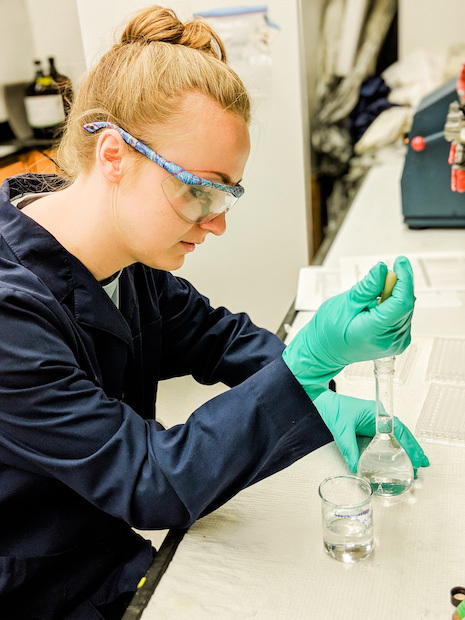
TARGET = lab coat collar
(42,254)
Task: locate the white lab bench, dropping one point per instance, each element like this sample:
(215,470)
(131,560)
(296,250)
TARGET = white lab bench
(261,555)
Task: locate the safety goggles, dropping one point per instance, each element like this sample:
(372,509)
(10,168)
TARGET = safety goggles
(194,199)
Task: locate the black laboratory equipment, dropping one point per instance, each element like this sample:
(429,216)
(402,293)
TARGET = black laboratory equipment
(433,178)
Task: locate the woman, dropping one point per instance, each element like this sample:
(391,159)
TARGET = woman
(91,319)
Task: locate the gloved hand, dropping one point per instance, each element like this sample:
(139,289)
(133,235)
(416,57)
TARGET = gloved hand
(352,327)
(347,417)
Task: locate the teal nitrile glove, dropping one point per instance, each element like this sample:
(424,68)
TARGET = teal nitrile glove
(346,417)
(352,327)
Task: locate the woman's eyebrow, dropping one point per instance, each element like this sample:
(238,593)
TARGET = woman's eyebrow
(224,177)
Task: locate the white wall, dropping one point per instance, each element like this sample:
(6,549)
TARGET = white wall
(16,49)
(56,32)
(37,29)
(254,266)
(433,25)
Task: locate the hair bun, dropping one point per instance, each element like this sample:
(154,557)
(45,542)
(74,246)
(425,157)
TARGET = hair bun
(153,24)
(159,24)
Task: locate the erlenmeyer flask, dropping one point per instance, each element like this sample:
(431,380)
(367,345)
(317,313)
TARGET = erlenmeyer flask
(384,463)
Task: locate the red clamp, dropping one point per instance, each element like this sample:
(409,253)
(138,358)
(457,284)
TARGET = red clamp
(461,181)
(452,150)
(460,85)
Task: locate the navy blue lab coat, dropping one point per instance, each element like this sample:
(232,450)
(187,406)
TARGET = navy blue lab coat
(82,459)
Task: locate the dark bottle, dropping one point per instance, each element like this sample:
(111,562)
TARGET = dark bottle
(65,84)
(44,106)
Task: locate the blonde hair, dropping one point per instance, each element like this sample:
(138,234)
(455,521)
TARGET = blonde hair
(142,79)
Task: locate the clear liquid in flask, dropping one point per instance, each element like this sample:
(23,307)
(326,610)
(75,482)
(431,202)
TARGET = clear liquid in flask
(386,466)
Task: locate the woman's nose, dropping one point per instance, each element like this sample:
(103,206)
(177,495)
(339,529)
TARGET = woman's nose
(217,225)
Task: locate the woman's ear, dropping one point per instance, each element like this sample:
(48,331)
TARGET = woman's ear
(111,152)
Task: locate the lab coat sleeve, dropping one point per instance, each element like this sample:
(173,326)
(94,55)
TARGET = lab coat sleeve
(56,423)
(211,344)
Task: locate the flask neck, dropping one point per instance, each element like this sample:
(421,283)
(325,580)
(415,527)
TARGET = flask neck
(384,380)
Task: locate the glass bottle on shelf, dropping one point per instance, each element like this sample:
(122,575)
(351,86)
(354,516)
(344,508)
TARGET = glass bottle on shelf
(44,105)
(384,463)
(64,84)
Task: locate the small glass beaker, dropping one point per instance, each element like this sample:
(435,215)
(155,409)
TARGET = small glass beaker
(347,517)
